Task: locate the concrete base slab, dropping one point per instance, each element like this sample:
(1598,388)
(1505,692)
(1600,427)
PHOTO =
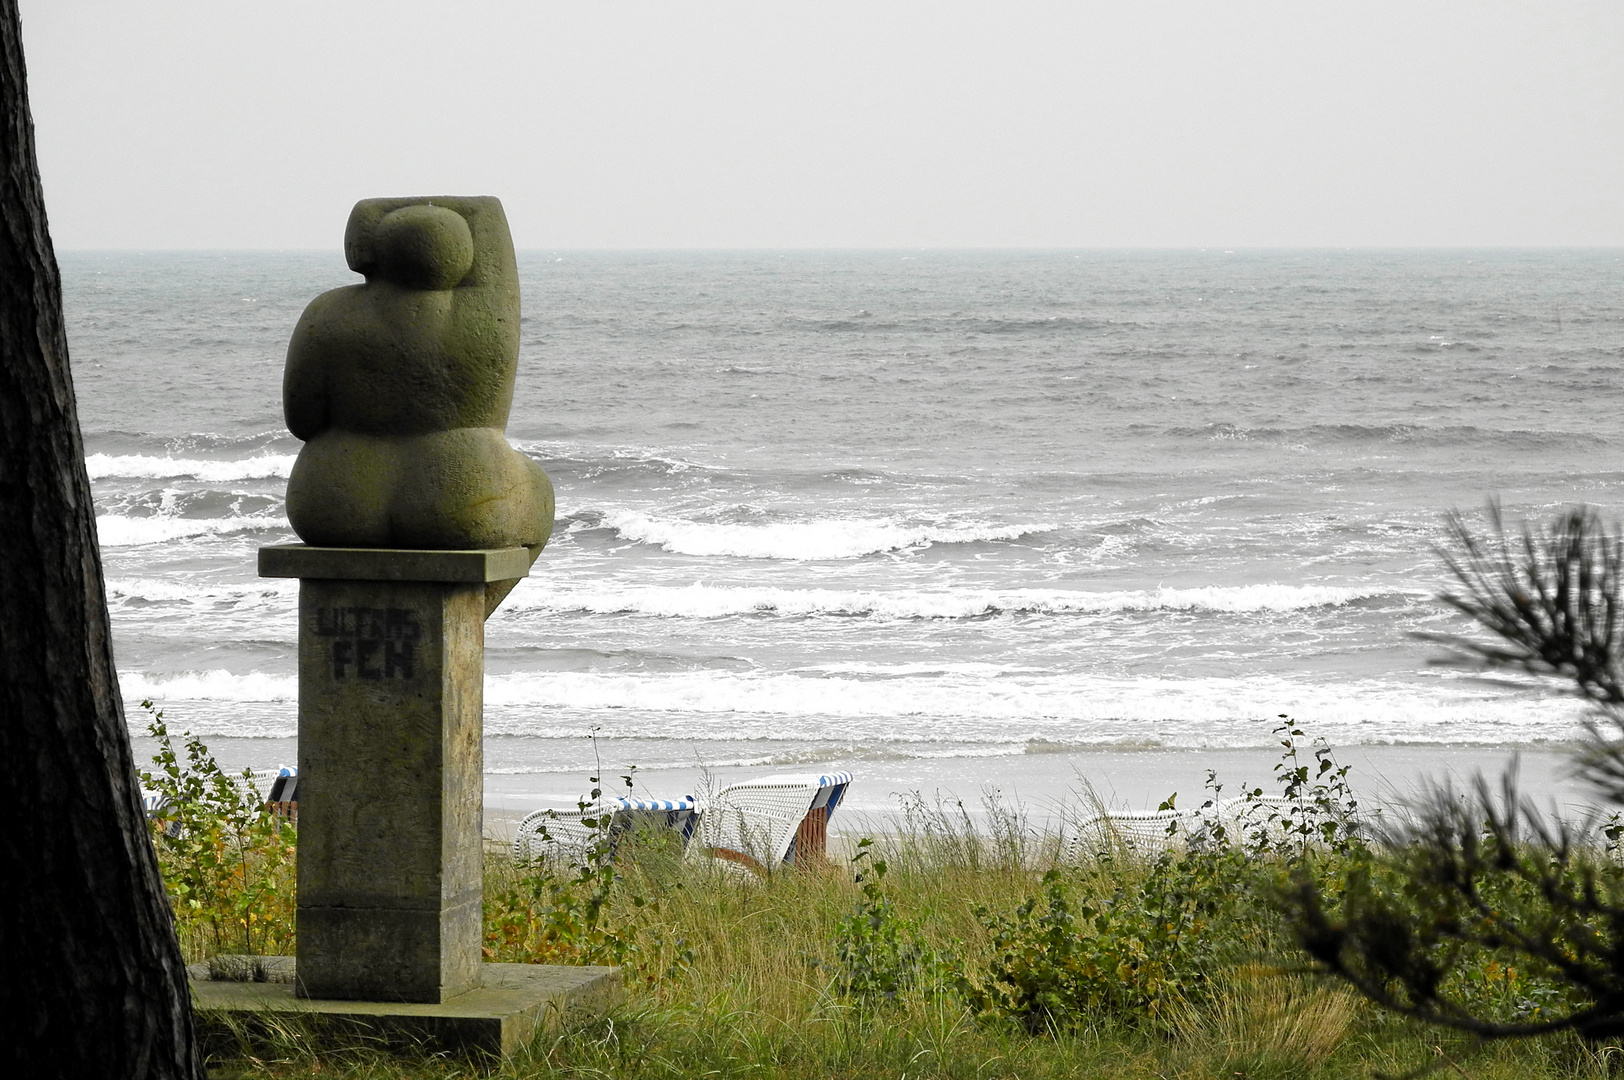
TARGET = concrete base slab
(511,1005)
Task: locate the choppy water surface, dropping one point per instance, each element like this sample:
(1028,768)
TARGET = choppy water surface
(836,507)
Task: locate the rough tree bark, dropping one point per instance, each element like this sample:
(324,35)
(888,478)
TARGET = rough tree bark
(91,978)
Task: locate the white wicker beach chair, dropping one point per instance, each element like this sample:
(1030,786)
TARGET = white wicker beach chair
(561,833)
(259,782)
(1157,830)
(1163,830)
(274,787)
(1271,819)
(772,821)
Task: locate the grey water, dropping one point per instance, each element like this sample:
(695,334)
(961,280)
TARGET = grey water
(829,508)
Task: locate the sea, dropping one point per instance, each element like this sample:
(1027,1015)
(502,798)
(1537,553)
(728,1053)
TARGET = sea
(932,516)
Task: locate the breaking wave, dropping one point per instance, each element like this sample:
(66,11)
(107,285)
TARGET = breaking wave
(850,538)
(117,530)
(970,707)
(702,601)
(151,467)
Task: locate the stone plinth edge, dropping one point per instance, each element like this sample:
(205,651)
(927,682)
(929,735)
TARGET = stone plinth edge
(393,564)
(513,1003)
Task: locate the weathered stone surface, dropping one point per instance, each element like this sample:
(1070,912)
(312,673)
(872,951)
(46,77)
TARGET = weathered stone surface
(390,787)
(401,388)
(380,564)
(510,1004)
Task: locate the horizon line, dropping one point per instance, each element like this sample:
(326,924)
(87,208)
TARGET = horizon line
(1227,249)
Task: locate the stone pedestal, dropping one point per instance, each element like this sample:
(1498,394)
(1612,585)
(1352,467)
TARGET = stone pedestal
(391,683)
(504,1012)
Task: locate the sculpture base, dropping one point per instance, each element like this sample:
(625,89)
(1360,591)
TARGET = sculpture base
(391,777)
(512,1004)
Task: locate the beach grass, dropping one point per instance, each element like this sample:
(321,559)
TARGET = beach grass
(847,969)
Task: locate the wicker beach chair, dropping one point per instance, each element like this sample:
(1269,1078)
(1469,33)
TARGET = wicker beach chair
(772,821)
(261,784)
(276,788)
(1158,830)
(1241,819)
(563,833)
(283,796)
(1273,820)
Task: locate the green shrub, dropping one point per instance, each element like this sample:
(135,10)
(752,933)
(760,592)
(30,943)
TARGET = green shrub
(226,858)
(1138,941)
(585,912)
(1145,949)
(879,955)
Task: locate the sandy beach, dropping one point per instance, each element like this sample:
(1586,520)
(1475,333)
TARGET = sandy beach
(1048,787)
(1045,786)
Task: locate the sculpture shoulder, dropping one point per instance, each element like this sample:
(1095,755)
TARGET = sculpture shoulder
(326,314)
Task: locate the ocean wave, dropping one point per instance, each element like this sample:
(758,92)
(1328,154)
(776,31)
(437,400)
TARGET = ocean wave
(1446,435)
(212,685)
(850,538)
(574,460)
(221,471)
(702,601)
(115,530)
(1015,711)
(874,695)
(200,592)
(950,714)
(1048,324)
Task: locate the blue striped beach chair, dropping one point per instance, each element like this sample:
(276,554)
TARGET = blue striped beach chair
(283,796)
(154,803)
(772,821)
(277,788)
(556,833)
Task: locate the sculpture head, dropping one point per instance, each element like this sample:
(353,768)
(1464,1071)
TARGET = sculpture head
(421,247)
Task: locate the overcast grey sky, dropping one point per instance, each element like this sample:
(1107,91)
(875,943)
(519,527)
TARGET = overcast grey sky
(780,123)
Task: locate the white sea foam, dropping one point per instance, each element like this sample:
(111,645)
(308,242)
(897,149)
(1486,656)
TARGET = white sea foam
(835,539)
(956,712)
(202,591)
(702,601)
(595,458)
(1015,707)
(212,685)
(1006,705)
(144,466)
(117,530)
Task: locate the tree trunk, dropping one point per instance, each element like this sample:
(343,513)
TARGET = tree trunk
(91,978)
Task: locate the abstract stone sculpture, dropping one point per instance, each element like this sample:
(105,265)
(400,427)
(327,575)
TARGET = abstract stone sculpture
(401,388)
(418,518)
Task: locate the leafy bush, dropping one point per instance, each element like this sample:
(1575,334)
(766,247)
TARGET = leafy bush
(1141,944)
(1133,956)
(879,955)
(226,858)
(547,913)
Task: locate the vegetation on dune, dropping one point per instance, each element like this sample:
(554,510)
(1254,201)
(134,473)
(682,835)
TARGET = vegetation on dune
(948,950)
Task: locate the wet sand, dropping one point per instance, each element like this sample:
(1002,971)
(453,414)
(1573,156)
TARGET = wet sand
(1050,786)
(1045,786)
